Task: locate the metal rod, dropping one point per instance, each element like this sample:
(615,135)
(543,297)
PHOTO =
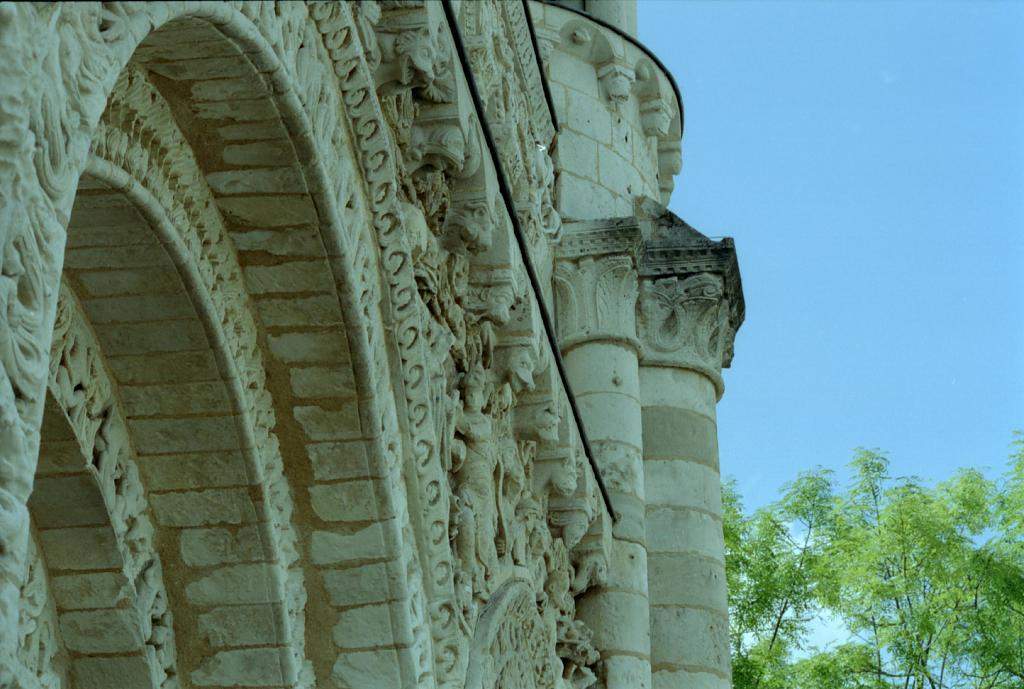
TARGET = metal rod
(625,36)
(517,230)
(540,66)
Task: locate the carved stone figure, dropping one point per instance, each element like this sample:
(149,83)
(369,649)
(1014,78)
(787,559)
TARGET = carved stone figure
(279,338)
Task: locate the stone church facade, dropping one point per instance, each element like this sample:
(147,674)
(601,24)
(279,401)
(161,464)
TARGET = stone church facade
(352,345)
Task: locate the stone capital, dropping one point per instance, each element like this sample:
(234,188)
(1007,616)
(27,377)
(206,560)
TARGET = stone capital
(596,273)
(691,297)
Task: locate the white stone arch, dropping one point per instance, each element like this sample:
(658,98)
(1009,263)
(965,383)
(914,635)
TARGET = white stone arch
(59,98)
(93,523)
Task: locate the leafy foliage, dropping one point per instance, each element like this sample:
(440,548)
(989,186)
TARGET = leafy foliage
(928,581)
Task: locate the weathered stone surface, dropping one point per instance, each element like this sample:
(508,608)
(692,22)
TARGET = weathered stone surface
(301,423)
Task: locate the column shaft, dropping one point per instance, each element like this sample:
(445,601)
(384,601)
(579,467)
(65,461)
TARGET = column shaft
(605,378)
(689,608)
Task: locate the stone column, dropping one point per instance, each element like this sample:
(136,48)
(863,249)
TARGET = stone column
(596,293)
(619,13)
(690,306)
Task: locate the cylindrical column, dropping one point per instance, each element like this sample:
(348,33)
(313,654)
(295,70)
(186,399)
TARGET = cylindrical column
(689,609)
(606,381)
(596,285)
(685,329)
(619,13)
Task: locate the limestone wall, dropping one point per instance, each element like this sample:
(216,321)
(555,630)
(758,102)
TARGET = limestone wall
(620,122)
(280,402)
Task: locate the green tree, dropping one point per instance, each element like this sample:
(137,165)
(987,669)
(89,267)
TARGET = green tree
(770,558)
(929,581)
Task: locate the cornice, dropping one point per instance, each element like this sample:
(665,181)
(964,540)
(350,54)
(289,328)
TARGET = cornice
(601,237)
(674,248)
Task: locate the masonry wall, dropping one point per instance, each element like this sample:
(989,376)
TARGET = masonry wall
(605,156)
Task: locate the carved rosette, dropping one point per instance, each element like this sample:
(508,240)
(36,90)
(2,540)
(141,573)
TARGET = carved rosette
(513,648)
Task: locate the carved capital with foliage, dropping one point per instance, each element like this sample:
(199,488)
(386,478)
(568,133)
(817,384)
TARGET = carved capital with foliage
(691,299)
(596,282)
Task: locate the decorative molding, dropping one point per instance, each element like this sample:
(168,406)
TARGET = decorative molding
(596,282)
(691,297)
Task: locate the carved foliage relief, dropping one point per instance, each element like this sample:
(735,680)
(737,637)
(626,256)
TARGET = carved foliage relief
(685,321)
(383,79)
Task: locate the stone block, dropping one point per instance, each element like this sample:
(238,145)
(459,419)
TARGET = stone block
(692,437)
(259,153)
(662,386)
(310,347)
(602,366)
(628,568)
(106,210)
(194,470)
(201,508)
(334,547)
(248,667)
(367,626)
(205,547)
(374,583)
(675,530)
(234,585)
(81,548)
(574,73)
(236,110)
(617,173)
(294,276)
(90,590)
(61,456)
(145,338)
(613,417)
(240,625)
(208,397)
(132,672)
(578,154)
(343,460)
(251,131)
(130,256)
(151,280)
(115,630)
(589,115)
(298,311)
(674,678)
(173,367)
(581,199)
(349,501)
(67,501)
(329,424)
(687,579)
(203,68)
(145,307)
(323,381)
(695,639)
(243,87)
(359,669)
(631,632)
(276,180)
(191,434)
(290,241)
(267,211)
(626,671)
(675,483)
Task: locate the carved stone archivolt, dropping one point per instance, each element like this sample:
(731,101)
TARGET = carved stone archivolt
(484,521)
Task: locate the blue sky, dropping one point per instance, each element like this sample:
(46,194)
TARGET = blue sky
(868,158)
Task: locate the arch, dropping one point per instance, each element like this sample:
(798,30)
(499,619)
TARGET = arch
(30,270)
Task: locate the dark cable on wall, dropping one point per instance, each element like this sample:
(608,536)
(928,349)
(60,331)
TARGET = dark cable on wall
(517,230)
